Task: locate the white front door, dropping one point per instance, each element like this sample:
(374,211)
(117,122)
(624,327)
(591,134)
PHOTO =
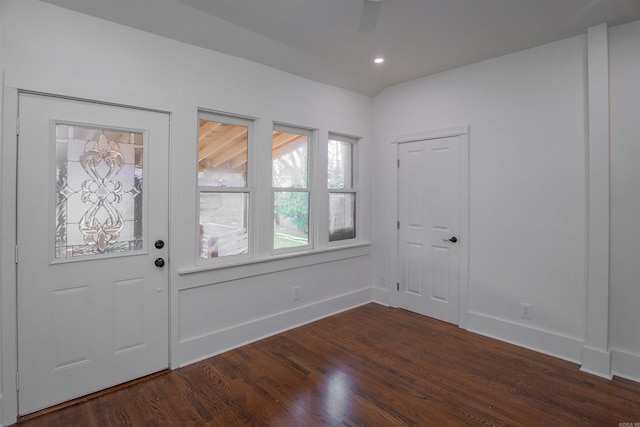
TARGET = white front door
(429,222)
(92,213)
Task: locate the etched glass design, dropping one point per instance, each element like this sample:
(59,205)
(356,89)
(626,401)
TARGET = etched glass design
(98,191)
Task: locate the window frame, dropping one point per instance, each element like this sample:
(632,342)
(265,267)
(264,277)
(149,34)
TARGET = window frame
(311,135)
(249,189)
(260,197)
(354,189)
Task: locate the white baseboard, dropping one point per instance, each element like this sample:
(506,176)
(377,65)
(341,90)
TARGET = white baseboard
(199,348)
(382,296)
(596,362)
(625,365)
(542,341)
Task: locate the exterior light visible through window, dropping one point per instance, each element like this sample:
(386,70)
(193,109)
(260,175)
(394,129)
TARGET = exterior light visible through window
(378,60)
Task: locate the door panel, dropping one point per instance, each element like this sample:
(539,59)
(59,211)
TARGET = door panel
(414,267)
(92,306)
(428,211)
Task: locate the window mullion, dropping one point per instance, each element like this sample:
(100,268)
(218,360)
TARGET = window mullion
(320,212)
(263,195)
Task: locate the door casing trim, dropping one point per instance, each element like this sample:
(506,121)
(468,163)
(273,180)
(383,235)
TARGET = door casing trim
(9,108)
(462,132)
(426,135)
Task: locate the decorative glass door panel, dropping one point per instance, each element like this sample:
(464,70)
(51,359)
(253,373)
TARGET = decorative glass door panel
(90,325)
(99,192)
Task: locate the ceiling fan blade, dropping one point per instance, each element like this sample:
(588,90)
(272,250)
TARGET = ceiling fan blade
(369,16)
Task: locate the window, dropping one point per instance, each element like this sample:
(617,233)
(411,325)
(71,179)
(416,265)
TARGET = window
(290,184)
(258,200)
(224,193)
(342,191)
(99,176)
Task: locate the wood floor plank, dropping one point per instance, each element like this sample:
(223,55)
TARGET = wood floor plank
(371,366)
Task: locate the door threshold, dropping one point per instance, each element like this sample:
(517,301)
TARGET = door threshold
(89,397)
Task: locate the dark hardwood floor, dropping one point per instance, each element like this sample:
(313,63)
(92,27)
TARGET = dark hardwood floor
(371,366)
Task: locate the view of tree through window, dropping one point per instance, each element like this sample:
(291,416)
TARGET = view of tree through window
(290,189)
(342,197)
(233,194)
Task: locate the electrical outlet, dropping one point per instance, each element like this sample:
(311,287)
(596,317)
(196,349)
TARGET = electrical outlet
(296,293)
(525,311)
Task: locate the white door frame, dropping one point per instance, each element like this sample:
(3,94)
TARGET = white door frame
(462,133)
(14,84)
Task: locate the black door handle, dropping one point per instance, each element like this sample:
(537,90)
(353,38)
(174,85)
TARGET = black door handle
(159,262)
(159,244)
(452,240)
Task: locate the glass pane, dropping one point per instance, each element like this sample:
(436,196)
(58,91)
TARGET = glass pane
(291,223)
(340,164)
(98,191)
(289,153)
(223,224)
(342,216)
(222,154)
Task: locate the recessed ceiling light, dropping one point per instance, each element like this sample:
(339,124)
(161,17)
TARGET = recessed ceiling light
(378,60)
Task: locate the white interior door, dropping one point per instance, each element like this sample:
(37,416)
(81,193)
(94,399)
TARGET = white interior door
(92,203)
(428,240)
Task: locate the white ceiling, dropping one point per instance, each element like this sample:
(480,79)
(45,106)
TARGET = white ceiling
(319,39)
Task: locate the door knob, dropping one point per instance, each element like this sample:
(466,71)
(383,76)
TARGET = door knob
(159,262)
(159,244)
(452,240)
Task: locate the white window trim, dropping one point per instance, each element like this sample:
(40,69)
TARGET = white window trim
(354,189)
(311,190)
(240,270)
(249,189)
(261,197)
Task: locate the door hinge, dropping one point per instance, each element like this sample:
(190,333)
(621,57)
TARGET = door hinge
(17,381)
(398,163)
(398,225)
(398,286)
(16,254)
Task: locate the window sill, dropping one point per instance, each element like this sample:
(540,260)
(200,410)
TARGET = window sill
(281,262)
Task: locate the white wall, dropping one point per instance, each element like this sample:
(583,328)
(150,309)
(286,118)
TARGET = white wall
(526,113)
(529,147)
(625,199)
(528,172)
(53,50)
